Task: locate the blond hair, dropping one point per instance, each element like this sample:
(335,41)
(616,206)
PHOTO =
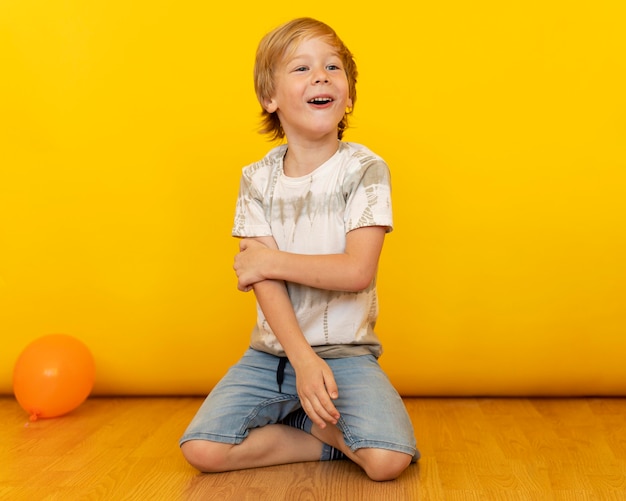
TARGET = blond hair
(271,50)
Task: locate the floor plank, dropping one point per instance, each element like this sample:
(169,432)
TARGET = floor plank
(472,449)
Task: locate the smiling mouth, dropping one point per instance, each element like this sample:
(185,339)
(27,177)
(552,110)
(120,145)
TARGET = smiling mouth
(320,100)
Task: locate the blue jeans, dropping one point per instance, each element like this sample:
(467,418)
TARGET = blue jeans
(372,412)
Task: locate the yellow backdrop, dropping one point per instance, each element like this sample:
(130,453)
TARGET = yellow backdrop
(124,126)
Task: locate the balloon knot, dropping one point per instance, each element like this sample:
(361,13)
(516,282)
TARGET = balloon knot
(34,416)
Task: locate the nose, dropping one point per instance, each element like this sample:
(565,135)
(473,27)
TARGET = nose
(321,76)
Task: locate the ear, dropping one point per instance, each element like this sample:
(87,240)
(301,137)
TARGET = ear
(349,103)
(270,105)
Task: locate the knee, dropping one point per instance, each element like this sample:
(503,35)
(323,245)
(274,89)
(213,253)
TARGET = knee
(382,465)
(205,456)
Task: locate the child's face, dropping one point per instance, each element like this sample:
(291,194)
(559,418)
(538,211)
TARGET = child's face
(311,91)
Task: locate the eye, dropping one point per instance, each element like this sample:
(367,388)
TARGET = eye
(333,67)
(300,68)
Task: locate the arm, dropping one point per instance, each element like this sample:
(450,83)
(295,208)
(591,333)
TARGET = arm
(352,270)
(314,379)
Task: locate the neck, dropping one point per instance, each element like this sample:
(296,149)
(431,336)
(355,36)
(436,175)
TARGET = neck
(303,158)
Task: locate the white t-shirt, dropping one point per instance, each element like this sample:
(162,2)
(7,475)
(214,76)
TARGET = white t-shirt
(312,215)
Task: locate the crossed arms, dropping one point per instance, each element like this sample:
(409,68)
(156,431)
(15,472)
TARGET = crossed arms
(261,267)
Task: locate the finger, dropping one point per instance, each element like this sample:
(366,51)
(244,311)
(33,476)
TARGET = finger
(313,415)
(331,412)
(317,410)
(244,287)
(331,385)
(325,409)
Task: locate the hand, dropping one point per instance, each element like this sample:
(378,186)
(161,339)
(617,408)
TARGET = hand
(248,263)
(316,387)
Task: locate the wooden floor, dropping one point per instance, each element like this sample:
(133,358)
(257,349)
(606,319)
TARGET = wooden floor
(472,449)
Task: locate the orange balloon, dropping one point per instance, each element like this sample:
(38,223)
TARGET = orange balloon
(53,376)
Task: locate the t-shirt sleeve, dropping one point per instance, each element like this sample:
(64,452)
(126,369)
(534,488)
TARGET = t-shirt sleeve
(368,196)
(250,218)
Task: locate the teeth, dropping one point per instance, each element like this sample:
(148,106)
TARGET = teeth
(320,100)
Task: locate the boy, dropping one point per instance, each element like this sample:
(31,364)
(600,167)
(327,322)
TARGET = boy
(312,217)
